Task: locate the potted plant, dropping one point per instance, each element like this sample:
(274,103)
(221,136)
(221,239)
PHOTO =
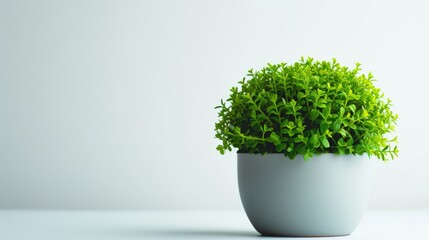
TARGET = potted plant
(305,134)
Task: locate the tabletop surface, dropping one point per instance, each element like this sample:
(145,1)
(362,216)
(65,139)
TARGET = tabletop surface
(55,224)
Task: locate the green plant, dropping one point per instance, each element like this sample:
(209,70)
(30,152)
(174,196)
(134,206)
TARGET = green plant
(307,108)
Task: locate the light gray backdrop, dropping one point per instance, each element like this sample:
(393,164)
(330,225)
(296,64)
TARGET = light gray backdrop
(109,104)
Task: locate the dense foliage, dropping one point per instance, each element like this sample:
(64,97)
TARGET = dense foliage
(307,108)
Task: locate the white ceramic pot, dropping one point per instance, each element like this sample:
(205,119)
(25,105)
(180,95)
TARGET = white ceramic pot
(324,196)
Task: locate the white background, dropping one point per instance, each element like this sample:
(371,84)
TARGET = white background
(109,104)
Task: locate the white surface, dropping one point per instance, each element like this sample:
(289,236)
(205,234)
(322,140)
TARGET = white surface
(82,225)
(109,103)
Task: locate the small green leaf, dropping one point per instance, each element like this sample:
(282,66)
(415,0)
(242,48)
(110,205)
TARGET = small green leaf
(300,95)
(313,114)
(342,110)
(341,142)
(352,108)
(326,112)
(284,123)
(220,149)
(325,142)
(297,140)
(364,113)
(323,127)
(280,147)
(314,139)
(337,124)
(274,138)
(253,114)
(273,97)
(321,105)
(342,132)
(307,156)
